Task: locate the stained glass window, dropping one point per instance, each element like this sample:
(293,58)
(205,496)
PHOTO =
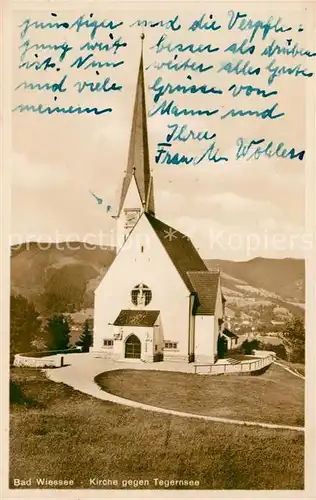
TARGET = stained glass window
(141,295)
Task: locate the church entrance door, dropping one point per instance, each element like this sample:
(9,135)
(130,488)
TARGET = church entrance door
(221,346)
(132,347)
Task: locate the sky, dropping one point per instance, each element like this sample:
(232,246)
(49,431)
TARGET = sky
(235,210)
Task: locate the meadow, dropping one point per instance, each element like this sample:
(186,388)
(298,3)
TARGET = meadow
(275,397)
(58,433)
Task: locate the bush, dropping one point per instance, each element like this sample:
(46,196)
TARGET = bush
(86,338)
(293,336)
(279,350)
(17,396)
(58,331)
(25,325)
(249,346)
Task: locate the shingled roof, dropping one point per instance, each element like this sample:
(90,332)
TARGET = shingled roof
(229,334)
(205,284)
(129,317)
(180,249)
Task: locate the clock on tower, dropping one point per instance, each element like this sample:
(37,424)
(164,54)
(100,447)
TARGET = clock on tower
(131,217)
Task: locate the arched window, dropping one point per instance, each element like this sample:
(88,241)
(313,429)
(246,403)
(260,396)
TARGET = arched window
(141,295)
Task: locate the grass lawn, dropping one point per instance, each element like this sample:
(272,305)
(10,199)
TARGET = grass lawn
(273,397)
(59,433)
(300,367)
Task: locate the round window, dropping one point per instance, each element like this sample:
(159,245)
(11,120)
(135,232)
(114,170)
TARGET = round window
(141,295)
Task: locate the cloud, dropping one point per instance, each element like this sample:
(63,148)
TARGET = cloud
(233,202)
(28,174)
(171,198)
(235,241)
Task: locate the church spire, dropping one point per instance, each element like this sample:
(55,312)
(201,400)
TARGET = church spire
(138,164)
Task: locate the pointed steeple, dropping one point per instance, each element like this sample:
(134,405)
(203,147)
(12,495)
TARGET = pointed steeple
(138,164)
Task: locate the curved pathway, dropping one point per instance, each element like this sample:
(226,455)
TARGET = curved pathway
(290,370)
(83,369)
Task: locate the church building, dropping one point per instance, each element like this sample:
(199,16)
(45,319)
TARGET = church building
(158,300)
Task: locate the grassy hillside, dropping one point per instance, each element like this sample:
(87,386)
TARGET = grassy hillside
(275,397)
(263,290)
(284,277)
(59,433)
(59,278)
(63,279)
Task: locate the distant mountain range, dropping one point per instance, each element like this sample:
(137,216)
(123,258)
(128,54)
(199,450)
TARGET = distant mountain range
(62,279)
(271,289)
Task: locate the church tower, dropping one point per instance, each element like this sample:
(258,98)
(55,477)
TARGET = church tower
(137,193)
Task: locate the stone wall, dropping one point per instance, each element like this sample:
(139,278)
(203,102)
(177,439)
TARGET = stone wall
(51,362)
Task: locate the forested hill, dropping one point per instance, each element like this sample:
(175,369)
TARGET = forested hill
(62,278)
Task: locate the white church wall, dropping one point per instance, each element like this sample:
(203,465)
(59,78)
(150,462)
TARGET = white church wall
(231,343)
(143,259)
(219,313)
(159,340)
(204,333)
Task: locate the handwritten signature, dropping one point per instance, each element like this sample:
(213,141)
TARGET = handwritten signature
(250,150)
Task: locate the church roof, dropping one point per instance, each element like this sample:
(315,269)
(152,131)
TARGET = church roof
(138,156)
(128,317)
(229,334)
(205,284)
(180,249)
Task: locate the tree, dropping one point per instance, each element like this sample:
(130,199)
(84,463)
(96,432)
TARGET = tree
(249,346)
(279,350)
(66,287)
(293,336)
(86,337)
(25,325)
(58,332)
